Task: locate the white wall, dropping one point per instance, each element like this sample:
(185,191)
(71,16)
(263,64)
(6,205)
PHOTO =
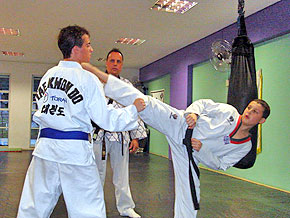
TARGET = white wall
(20,97)
(20,75)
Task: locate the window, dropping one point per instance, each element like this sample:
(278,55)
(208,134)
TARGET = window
(34,126)
(4,109)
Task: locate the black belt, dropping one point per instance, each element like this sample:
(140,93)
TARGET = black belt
(187,143)
(104,146)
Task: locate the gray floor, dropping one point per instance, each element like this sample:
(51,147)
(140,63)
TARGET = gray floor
(151,180)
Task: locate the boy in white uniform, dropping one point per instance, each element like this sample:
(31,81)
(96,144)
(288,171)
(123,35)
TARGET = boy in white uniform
(220,135)
(68,98)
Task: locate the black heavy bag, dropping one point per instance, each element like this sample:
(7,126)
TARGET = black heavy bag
(242,83)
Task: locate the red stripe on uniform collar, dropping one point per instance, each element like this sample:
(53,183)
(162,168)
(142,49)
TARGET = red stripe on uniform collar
(241,141)
(238,141)
(237,126)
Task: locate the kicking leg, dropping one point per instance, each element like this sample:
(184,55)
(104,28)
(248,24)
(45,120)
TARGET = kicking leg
(161,116)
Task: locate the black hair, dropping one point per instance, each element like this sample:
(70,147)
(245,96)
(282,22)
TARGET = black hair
(115,50)
(69,37)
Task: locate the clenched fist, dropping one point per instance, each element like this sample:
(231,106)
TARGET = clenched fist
(191,120)
(139,104)
(196,144)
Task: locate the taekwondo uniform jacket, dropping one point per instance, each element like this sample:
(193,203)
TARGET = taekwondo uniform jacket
(68,100)
(216,124)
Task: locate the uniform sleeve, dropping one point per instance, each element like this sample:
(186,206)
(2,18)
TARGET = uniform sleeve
(106,116)
(199,106)
(207,158)
(139,133)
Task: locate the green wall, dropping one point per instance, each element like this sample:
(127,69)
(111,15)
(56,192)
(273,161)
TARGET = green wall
(209,83)
(158,143)
(272,164)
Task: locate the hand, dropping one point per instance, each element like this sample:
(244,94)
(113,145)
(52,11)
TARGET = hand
(139,104)
(100,74)
(134,146)
(196,144)
(191,120)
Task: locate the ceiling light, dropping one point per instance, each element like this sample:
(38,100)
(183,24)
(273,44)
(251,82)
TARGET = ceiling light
(9,31)
(130,41)
(174,6)
(12,53)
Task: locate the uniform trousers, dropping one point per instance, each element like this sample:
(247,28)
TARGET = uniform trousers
(120,168)
(46,180)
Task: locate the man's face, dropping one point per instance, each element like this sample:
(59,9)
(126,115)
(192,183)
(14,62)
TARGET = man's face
(253,114)
(114,63)
(86,50)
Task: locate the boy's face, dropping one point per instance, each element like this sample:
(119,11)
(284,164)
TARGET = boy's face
(86,49)
(253,114)
(114,63)
(83,54)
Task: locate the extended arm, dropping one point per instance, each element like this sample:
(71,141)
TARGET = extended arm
(100,74)
(170,122)
(106,116)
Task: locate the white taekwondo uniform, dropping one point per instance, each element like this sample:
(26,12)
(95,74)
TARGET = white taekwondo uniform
(117,145)
(68,98)
(216,125)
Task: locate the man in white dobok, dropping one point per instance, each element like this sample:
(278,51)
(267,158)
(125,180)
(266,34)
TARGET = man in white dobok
(118,145)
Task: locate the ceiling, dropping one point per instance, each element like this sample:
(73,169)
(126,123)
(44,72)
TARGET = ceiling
(39,22)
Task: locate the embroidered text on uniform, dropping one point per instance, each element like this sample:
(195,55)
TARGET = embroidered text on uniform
(61,84)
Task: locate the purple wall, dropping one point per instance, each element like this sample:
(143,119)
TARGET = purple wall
(268,23)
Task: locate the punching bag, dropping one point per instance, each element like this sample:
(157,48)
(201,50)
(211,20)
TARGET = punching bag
(242,82)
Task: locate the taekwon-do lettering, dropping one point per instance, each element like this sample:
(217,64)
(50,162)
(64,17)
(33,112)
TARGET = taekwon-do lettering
(52,110)
(61,84)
